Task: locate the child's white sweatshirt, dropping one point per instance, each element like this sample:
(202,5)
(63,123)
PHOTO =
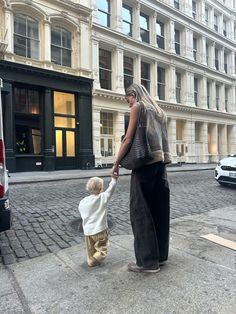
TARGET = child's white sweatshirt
(93,210)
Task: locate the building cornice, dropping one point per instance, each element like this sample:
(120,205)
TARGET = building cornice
(197,110)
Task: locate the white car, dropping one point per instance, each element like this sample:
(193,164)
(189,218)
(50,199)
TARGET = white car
(225,171)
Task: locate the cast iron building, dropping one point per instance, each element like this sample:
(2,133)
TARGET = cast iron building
(66,64)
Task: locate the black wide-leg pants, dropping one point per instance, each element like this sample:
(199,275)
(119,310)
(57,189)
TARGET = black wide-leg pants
(150,214)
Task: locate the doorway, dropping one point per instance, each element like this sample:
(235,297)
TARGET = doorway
(66,132)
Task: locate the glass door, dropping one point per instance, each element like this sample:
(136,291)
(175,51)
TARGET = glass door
(65,130)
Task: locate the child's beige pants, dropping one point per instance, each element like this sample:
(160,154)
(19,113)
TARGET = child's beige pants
(96,245)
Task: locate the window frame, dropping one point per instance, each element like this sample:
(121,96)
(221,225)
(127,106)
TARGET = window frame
(161,82)
(146,81)
(146,32)
(160,37)
(178,78)
(61,48)
(28,39)
(130,23)
(106,70)
(177,43)
(127,75)
(196,91)
(107,13)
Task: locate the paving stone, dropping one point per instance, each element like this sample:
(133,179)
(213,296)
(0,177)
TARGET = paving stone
(27,245)
(40,248)
(9,259)
(20,252)
(32,253)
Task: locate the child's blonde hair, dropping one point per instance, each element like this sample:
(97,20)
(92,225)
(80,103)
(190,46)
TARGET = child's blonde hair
(94,185)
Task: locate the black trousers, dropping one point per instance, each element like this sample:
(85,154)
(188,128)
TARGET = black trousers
(150,214)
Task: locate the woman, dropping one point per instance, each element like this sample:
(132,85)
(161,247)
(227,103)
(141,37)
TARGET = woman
(149,190)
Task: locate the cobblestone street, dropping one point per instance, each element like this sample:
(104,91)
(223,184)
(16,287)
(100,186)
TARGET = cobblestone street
(46,219)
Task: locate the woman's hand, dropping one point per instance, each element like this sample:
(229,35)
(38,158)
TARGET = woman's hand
(115,171)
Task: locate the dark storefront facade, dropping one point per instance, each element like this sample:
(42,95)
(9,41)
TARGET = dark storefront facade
(47,119)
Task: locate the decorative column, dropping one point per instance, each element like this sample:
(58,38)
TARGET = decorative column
(95,63)
(201,9)
(171,36)
(231,130)
(221,59)
(136,25)
(117,13)
(213,142)
(187,7)
(212,56)
(204,141)
(213,96)
(221,24)
(137,69)
(232,63)
(189,137)
(231,29)
(153,87)
(203,95)
(188,44)
(9,30)
(119,130)
(232,100)
(171,128)
(118,70)
(222,133)
(85,47)
(203,50)
(222,98)
(171,84)
(47,40)
(153,35)
(189,91)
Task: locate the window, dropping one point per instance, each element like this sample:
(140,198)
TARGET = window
(225,62)
(26,36)
(217,97)
(194,9)
(216,23)
(208,95)
(176,4)
(161,83)
(196,91)
(127,20)
(61,46)
(160,34)
(105,68)
(128,72)
(195,49)
(145,75)
(207,17)
(177,42)
(27,121)
(224,28)
(144,27)
(226,99)
(178,87)
(104,12)
(106,122)
(216,59)
(207,54)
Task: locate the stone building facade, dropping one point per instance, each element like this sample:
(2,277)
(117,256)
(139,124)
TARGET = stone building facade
(68,64)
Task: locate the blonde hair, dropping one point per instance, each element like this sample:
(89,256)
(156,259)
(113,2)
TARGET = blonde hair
(94,185)
(142,95)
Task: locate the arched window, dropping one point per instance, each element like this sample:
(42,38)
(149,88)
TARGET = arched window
(26,36)
(61,46)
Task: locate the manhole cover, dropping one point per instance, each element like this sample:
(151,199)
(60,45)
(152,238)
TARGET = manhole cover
(76,225)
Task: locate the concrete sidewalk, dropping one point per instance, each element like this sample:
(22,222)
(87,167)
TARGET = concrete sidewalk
(199,278)
(40,176)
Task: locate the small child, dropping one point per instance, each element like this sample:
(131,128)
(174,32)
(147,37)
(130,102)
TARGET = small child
(93,211)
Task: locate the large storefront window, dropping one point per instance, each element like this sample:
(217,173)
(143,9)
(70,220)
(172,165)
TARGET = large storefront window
(27,121)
